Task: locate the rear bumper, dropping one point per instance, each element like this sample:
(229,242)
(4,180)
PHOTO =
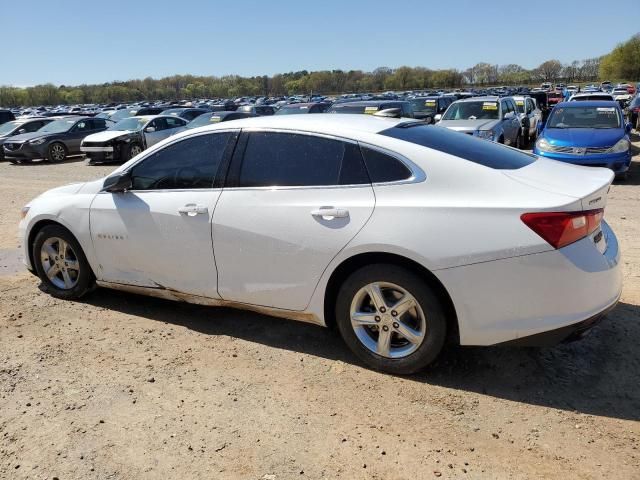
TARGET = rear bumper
(514,298)
(566,334)
(618,162)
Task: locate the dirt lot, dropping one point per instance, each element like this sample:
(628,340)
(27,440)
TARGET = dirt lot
(125,387)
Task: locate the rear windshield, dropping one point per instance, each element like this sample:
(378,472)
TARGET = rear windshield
(461,145)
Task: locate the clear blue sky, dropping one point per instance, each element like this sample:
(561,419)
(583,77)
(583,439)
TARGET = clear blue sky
(93,41)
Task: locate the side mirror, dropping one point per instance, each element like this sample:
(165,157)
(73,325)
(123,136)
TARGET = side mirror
(437,118)
(627,128)
(150,129)
(508,115)
(119,182)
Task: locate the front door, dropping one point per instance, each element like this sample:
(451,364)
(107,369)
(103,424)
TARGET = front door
(158,234)
(294,202)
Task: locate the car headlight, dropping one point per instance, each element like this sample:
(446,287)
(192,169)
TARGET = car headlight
(486,134)
(622,146)
(37,141)
(24,211)
(543,145)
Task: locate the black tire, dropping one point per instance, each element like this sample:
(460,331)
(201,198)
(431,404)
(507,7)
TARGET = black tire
(622,177)
(84,280)
(131,151)
(518,143)
(56,152)
(436,324)
(525,139)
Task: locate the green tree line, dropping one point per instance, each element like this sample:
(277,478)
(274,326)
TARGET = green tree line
(622,62)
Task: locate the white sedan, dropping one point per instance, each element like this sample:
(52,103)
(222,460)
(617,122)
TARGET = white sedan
(402,235)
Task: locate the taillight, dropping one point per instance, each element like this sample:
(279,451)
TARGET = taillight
(563,228)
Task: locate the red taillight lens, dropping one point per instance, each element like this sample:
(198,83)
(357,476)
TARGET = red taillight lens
(563,228)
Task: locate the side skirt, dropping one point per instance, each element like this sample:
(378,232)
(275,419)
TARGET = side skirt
(174,295)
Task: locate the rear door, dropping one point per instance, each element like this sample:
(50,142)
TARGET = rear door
(293,201)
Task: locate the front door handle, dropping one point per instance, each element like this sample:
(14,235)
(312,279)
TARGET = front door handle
(191,209)
(331,212)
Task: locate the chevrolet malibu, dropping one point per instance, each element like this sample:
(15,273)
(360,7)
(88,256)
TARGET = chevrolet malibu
(400,234)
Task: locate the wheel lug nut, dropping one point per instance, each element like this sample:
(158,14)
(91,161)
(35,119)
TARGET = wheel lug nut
(385,328)
(382,309)
(396,324)
(394,313)
(377,318)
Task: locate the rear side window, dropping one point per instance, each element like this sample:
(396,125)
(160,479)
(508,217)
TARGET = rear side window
(475,150)
(383,167)
(284,159)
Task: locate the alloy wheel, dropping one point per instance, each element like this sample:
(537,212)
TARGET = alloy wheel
(60,263)
(57,152)
(388,320)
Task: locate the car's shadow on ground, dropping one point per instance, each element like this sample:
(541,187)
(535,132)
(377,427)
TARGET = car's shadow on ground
(597,375)
(42,162)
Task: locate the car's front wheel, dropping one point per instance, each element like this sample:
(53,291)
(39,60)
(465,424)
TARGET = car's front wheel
(133,150)
(390,318)
(61,263)
(56,152)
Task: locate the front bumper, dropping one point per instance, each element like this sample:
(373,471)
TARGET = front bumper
(618,162)
(27,151)
(514,298)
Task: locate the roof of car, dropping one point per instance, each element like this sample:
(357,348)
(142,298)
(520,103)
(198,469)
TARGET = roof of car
(486,98)
(366,103)
(319,123)
(589,103)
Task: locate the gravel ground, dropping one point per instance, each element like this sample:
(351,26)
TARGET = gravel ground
(119,386)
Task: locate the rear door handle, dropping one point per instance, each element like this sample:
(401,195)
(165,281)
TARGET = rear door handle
(191,209)
(330,212)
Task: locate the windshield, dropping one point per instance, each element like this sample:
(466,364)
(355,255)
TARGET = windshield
(606,98)
(129,124)
(58,126)
(428,105)
(520,106)
(472,111)
(8,127)
(122,114)
(202,120)
(585,117)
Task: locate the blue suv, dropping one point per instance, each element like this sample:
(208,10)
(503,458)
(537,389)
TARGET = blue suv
(590,133)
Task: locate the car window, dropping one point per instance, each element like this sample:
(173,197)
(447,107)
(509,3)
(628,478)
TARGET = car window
(160,124)
(467,147)
(175,122)
(82,126)
(33,126)
(284,159)
(187,164)
(384,168)
(99,123)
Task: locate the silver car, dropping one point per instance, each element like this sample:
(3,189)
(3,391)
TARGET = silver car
(530,118)
(491,118)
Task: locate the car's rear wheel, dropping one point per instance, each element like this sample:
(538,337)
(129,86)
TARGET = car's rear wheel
(390,319)
(56,152)
(61,263)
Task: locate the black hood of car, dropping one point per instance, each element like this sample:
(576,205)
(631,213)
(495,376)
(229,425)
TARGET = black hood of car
(25,137)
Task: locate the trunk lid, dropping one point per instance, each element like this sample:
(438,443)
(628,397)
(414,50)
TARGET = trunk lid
(589,185)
